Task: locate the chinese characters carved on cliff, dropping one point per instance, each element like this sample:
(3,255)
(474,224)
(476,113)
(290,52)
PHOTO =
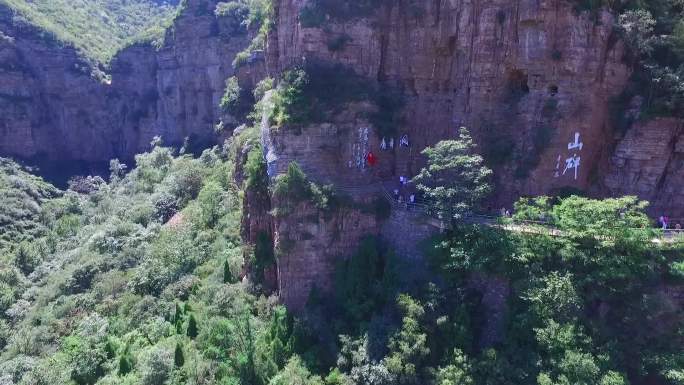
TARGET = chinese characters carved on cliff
(572,163)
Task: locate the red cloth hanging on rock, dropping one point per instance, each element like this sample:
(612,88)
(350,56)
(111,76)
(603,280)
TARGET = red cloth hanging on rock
(371,159)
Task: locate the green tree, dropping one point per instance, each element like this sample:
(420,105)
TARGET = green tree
(26,258)
(211,203)
(554,296)
(116,170)
(293,185)
(613,378)
(362,282)
(295,373)
(290,105)
(354,359)
(178,313)
(231,95)
(227,275)
(256,173)
(276,345)
(455,178)
(336,377)
(178,356)
(408,347)
(637,27)
(87,360)
(192,326)
(458,372)
(247,348)
(125,361)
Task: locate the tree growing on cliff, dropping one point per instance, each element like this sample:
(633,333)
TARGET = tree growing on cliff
(455,178)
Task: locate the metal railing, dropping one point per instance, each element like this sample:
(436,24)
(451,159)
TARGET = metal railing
(427,208)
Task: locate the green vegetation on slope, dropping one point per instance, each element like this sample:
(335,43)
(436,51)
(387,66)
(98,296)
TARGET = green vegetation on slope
(99,28)
(137,281)
(21,198)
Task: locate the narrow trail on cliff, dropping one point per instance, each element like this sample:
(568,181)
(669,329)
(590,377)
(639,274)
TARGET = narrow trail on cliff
(424,212)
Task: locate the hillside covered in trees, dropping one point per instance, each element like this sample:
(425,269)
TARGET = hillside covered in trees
(99,28)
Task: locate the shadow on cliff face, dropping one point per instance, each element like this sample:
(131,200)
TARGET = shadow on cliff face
(58,172)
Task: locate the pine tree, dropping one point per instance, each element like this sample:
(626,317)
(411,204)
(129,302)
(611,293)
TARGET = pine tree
(179,326)
(125,362)
(192,326)
(179,357)
(178,315)
(110,349)
(227,275)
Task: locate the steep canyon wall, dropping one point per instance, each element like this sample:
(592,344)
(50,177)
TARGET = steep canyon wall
(54,109)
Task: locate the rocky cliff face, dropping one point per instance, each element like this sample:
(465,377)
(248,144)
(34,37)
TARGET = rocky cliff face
(531,79)
(310,242)
(53,109)
(649,162)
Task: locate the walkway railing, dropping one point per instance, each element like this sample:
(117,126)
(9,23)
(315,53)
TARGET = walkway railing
(428,209)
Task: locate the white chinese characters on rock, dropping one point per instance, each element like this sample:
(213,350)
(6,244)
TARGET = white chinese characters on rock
(571,163)
(360,150)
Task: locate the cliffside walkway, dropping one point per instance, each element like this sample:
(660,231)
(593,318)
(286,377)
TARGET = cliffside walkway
(424,211)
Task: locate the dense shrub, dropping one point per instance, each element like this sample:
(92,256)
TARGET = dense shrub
(21,199)
(231,95)
(364,282)
(155,366)
(318,91)
(171,256)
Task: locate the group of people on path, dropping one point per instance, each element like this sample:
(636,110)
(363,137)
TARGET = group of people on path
(404,193)
(665,224)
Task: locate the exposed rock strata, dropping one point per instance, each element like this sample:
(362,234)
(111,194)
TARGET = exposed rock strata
(649,162)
